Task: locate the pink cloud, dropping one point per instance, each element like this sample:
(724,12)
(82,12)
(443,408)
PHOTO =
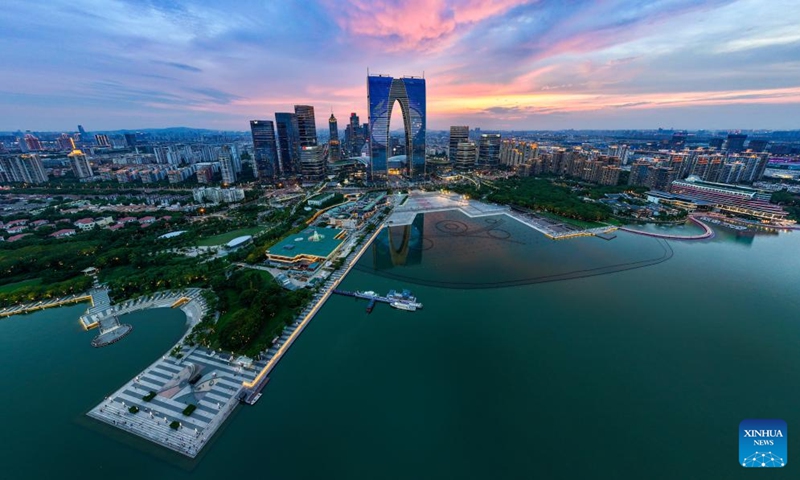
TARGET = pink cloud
(424,25)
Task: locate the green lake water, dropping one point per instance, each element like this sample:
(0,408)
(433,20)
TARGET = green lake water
(586,358)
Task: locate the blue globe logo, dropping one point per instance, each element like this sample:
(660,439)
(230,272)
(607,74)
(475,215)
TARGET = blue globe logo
(763,459)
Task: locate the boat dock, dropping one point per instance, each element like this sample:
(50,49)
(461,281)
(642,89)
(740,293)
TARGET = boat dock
(402,301)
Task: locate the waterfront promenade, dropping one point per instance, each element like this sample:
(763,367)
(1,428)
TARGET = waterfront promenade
(42,304)
(274,354)
(209,380)
(429,202)
(96,314)
(708,232)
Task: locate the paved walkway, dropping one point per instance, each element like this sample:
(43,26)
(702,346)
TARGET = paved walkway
(707,232)
(214,393)
(274,354)
(428,202)
(94,315)
(42,304)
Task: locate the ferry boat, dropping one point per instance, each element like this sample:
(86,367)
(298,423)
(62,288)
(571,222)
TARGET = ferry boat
(403,300)
(404,296)
(409,307)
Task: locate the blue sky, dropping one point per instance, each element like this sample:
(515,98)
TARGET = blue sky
(504,64)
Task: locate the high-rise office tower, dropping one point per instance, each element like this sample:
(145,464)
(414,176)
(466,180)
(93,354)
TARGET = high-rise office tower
(458,134)
(354,136)
(82,131)
(735,142)
(466,155)
(102,140)
(130,139)
(288,143)
(489,150)
(334,148)
(265,150)
(382,93)
(306,125)
(312,162)
(333,128)
(226,165)
(80,164)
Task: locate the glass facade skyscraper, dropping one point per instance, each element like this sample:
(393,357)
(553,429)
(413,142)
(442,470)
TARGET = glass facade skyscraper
(306,125)
(265,149)
(288,142)
(382,93)
(489,150)
(458,134)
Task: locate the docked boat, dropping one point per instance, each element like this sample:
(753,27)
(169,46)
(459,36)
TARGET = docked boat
(404,296)
(409,307)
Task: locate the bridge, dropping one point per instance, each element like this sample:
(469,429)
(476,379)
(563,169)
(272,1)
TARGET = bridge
(707,232)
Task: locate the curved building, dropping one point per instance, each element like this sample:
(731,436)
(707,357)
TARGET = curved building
(382,93)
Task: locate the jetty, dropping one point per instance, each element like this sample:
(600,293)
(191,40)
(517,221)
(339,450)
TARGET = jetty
(401,301)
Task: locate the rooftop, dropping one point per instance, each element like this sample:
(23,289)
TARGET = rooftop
(311,242)
(239,241)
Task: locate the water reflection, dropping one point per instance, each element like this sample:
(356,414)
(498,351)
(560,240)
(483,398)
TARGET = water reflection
(399,245)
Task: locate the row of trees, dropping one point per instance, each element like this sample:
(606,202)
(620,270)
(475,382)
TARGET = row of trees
(789,201)
(31,293)
(540,194)
(253,310)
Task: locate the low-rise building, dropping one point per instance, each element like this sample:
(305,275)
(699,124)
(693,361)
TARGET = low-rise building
(85,223)
(320,200)
(17,237)
(66,232)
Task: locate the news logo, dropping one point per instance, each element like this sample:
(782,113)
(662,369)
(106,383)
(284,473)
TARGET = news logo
(762,443)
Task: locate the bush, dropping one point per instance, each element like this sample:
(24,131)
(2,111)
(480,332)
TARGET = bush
(175,425)
(189,409)
(134,409)
(149,396)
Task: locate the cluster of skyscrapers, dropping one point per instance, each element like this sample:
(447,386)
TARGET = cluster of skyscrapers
(296,151)
(466,154)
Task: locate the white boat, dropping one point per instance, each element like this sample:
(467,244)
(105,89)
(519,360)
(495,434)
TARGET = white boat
(369,293)
(404,306)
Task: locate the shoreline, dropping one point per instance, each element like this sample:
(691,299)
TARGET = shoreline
(438,202)
(45,304)
(311,310)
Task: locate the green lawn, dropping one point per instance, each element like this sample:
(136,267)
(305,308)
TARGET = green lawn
(25,283)
(224,238)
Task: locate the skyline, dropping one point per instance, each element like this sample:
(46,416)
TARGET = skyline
(500,64)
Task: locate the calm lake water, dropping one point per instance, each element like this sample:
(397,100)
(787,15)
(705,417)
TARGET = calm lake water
(630,358)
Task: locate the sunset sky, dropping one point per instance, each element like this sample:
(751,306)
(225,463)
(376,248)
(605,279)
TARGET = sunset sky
(494,64)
